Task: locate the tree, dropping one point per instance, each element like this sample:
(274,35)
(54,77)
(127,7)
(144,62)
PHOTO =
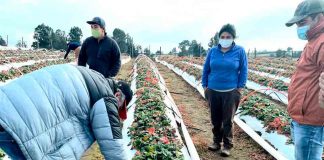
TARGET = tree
(194,48)
(280,53)
(120,37)
(59,40)
(2,42)
(213,40)
(184,45)
(129,45)
(21,44)
(137,51)
(147,52)
(75,34)
(290,51)
(158,52)
(173,51)
(43,35)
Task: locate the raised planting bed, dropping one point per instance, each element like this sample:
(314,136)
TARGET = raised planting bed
(16,72)
(154,128)
(268,82)
(274,71)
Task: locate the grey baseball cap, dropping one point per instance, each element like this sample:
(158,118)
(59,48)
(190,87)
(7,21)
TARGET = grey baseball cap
(306,8)
(99,21)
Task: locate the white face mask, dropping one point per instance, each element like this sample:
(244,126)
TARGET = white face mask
(226,43)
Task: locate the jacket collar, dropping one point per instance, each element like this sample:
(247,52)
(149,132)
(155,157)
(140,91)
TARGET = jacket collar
(316,31)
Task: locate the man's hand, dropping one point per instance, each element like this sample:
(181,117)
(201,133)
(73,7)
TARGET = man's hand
(321,93)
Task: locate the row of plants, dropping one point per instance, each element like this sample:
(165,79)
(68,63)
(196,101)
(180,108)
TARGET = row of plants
(25,58)
(273,116)
(13,53)
(195,60)
(192,70)
(272,60)
(286,64)
(16,72)
(274,71)
(197,73)
(152,135)
(268,82)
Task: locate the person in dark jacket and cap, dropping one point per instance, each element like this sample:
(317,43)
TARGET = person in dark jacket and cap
(46,116)
(99,51)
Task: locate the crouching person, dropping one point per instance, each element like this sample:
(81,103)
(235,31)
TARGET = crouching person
(59,111)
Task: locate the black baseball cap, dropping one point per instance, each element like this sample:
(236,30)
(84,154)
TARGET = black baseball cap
(99,21)
(126,89)
(306,8)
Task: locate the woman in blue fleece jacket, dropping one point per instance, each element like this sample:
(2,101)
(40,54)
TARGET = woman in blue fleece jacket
(224,76)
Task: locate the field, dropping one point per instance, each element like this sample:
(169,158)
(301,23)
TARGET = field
(168,93)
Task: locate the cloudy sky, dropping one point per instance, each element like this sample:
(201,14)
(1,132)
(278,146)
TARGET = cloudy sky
(155,23)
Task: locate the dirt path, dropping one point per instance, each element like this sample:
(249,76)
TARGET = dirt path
(93,153)
(195,112)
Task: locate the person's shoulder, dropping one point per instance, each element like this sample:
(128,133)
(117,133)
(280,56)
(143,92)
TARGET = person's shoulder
(89,39)
(319,42)
(238,47)
(111,42)
(110,39)
(214,48)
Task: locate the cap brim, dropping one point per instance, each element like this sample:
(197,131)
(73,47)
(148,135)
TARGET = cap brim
(294,20)
(91,22)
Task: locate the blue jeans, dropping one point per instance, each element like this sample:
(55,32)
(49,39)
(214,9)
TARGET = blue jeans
(308,141)
(10,147)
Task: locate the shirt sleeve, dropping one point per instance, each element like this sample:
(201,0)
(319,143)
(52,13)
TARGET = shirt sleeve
(320,58)
(82,60)
(243,70)
(206,70)
(115,60)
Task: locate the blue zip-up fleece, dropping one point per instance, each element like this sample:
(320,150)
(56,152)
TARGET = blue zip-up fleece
(223,71)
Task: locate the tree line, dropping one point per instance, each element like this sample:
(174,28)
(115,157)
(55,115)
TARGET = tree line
(45,37)
(193,48)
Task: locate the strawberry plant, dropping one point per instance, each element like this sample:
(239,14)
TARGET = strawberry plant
(273,117)
(152,135)
(16,72)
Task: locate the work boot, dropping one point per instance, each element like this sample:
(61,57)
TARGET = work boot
(225,152)
(214,147)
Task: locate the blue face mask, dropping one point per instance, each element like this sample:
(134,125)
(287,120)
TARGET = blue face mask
(302,32)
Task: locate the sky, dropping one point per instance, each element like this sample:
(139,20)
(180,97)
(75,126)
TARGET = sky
(259,24)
